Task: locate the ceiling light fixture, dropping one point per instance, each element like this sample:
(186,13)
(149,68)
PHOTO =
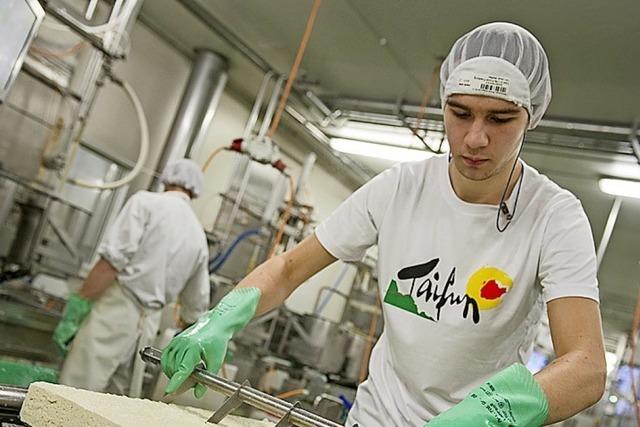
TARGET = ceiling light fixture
(620,187)
(379,151)
(386,134)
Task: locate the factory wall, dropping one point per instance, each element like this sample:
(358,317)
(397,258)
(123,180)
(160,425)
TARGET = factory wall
(158,73)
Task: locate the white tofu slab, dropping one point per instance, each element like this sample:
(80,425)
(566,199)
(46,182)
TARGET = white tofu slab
(53,405)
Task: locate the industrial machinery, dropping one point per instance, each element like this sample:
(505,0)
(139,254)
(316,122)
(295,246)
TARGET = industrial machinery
(308,357)
(289,414)
(57,190)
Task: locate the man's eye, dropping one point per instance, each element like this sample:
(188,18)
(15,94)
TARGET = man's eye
(460,114)
(500,120)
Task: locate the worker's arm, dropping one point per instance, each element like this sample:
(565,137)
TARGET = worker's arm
(573,382)
(576,379)
(278,277)
(101,276)
(262,290)
(194,297)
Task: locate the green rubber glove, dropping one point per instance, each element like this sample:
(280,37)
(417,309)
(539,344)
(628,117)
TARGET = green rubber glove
(511,398)
(75,311)
(208,338)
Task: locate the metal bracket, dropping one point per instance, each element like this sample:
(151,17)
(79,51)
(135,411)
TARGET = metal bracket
(229,405)
(284,421)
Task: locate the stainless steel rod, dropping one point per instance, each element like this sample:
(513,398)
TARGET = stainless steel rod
(62,16)
(251,396)
(12,397)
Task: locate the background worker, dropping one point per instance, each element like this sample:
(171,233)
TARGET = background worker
(155,252)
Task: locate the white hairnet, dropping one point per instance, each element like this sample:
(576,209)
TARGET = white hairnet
(501,60)
(184,173)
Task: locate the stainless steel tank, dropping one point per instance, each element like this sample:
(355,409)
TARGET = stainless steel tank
(321,343)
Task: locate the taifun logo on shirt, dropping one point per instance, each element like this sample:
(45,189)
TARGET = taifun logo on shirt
(485,290)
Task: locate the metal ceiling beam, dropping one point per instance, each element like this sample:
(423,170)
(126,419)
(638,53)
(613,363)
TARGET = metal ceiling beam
(412,110)
(218,27)
(355,173)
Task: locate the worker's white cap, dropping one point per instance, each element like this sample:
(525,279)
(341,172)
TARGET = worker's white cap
(500,60)
(184,173)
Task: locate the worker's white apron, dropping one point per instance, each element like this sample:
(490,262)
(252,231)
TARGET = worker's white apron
(104,354)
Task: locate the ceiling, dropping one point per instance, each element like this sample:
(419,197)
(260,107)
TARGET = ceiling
(386,51)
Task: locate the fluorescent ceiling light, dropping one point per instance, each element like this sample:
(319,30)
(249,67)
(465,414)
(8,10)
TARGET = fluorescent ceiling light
(611,359)
(380,151)
(384,134)
(620,187)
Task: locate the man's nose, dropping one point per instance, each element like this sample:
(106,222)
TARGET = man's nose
(477,136)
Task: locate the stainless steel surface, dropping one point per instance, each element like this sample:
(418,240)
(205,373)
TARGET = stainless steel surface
(198,103)
(32,220)
(635,143)
(321,343)
(17,38)
(28,317)
(271,107)
(11,398)
(46,232)
(303,178)
(331,290)
(33,72)
(227,35)
(231,404)
(236,202)
(255,398)
(59,12)
(7,195)
(355,353)
(257,105)
(608,230)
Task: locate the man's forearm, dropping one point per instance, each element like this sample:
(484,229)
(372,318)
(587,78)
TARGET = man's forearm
(101,276)
(572,383)
(272,279)
(278,277)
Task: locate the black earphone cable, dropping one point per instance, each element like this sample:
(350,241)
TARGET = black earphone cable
(502,207)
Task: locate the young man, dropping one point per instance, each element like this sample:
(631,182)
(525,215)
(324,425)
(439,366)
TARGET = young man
(155,250)
(471,247)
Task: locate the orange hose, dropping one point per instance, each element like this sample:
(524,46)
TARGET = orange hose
(285,217)
(291,393)
(294,68)
(62,53)
(373,326)
(210,158)
(425,98)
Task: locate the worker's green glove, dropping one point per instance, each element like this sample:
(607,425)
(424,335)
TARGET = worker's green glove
(208,338)
(511,398)
(75,311)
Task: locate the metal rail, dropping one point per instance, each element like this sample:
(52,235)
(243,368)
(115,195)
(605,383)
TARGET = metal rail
(263,401)
(11,398)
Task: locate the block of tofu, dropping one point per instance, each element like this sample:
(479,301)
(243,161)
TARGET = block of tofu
(54,405)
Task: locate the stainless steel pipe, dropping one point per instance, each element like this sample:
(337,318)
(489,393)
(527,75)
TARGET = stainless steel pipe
(11,398)
(263,401)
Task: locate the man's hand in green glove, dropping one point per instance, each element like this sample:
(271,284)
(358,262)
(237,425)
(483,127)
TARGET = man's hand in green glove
(208,338)
(512,397)
(75,311)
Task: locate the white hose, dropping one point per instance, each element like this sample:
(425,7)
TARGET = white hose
(144,147)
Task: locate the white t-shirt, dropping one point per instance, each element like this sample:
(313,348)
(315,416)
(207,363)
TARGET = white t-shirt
(160,251)
(461,301)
